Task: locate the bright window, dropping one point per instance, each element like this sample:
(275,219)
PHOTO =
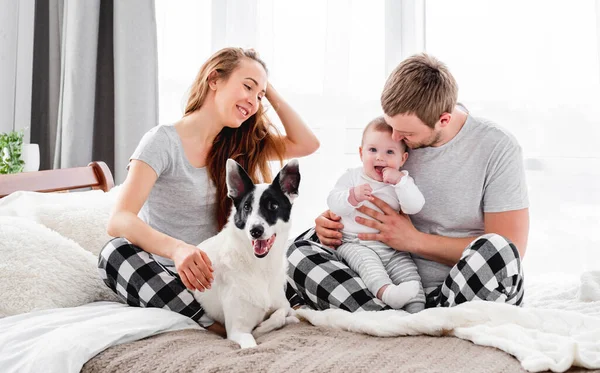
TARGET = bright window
(533,67)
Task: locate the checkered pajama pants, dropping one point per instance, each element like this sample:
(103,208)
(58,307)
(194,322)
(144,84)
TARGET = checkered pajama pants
(489,269)
(138,279)
(141,281)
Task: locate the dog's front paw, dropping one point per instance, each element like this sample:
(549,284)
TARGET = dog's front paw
(245,340)
(248,344)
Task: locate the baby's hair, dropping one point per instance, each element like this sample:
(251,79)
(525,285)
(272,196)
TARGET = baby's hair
(379,124)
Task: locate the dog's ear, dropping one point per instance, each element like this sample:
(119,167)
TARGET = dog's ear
(238,182)
(288,179)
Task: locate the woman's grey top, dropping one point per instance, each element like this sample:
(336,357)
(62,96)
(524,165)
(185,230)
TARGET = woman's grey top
(182,202)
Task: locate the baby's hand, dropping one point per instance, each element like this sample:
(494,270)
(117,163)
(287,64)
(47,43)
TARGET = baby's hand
(391,176)
(362,192)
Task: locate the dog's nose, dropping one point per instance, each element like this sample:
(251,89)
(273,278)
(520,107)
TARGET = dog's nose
(257,231)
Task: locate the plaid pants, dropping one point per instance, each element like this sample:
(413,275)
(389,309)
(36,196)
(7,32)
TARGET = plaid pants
(141,281)
(489,269)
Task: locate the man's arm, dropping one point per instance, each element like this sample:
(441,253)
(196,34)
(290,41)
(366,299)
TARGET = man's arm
(513,225)
(397,231)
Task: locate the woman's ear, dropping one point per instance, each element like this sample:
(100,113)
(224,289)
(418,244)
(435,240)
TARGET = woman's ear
(212,79)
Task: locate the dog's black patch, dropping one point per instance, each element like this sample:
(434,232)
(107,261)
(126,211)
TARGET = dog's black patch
(274,205)
(243,210)
(274,202)
(239,189)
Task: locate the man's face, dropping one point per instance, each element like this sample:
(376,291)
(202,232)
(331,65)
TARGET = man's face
(410,129)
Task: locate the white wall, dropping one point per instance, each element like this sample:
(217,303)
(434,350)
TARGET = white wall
(16,57)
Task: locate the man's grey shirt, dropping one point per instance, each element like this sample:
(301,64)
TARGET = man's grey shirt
(479,170)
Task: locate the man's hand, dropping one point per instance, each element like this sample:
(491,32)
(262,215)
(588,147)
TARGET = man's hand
(395,230)
(327,226)
(392,176)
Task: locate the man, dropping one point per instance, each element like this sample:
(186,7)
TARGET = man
(470,236)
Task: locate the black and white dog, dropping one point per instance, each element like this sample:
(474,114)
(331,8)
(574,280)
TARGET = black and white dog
(249,256)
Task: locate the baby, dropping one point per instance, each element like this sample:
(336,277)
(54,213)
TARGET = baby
(389,274)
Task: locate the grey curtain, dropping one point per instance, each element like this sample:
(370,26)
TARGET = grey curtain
(94,81)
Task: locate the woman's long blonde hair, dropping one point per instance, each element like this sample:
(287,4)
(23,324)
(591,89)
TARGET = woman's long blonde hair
(250,145)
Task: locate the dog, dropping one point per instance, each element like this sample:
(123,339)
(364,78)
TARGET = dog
(249,256)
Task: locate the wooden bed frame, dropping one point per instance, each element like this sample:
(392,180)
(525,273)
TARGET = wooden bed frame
(95,175)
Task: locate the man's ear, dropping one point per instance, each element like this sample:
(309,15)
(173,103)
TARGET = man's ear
(238,182)
(288,179)
(445,119)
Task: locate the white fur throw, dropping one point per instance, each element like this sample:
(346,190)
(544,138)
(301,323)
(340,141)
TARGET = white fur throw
(40,268)
(558,327)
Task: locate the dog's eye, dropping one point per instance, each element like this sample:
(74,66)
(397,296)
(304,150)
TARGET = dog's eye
(246,206)
(272,206)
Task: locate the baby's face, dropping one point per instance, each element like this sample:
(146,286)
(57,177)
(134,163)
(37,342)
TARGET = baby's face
(380,151)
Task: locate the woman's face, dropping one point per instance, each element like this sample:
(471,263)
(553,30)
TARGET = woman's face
(238,97)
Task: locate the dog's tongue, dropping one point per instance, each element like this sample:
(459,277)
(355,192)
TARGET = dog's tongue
(261,247)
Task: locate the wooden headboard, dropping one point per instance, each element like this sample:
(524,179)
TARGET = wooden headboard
(96,175)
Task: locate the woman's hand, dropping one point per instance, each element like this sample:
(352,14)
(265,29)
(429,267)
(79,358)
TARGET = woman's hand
(299,140)
(327,227)
(194,266)
(270,95)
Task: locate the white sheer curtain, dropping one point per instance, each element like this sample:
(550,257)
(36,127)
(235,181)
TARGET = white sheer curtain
(534,67)
(531,66)
(328,59)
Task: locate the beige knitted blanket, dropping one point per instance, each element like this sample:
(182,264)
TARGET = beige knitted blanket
(302,348)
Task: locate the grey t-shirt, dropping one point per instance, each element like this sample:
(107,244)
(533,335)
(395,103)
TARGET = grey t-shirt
(479,170)
(182,202)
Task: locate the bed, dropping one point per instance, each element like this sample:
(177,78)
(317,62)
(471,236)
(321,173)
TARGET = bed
(300,347)
(95,175)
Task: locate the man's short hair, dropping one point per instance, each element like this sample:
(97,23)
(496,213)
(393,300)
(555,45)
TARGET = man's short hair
(420,85)
(379,124)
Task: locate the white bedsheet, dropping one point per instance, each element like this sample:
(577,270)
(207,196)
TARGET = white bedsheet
(558,327)
(62,340)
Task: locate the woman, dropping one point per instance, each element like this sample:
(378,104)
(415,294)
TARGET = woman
(175,194)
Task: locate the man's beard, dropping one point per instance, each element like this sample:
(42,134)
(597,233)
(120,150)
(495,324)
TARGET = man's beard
(431,141)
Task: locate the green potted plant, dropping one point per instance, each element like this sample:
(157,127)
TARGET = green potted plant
(11,149)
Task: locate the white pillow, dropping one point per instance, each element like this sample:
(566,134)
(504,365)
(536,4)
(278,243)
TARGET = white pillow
(41,269)
(85,225)
(80,216)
